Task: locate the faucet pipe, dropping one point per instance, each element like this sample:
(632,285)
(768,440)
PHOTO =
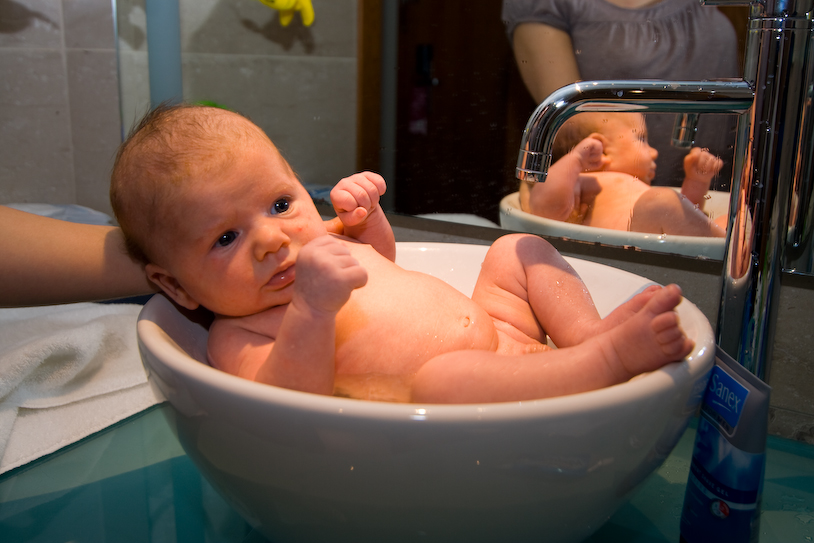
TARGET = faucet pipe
(684,129)
(691,97)
(770,209)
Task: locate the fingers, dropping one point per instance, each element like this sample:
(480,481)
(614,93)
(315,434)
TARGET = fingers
(702,161)
(327,273)
(356,196)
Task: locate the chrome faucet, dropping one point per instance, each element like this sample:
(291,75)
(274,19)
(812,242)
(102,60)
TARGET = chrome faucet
(771,208)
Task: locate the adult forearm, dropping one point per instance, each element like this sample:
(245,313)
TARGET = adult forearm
(47,261)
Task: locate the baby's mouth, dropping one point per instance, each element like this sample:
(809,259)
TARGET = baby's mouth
(282,278)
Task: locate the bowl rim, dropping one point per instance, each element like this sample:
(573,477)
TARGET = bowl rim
(707,247)
(158,347)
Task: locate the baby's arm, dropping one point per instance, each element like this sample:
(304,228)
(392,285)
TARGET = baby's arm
(301,355)
(560,195)
(356,202)
(700,166)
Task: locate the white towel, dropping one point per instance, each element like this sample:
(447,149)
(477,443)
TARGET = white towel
(66,372)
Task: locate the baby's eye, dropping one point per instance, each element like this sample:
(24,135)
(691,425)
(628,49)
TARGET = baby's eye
(226,239)
(280,206)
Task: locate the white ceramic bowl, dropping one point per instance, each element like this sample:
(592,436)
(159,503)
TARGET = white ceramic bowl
(302,467)
(514,218)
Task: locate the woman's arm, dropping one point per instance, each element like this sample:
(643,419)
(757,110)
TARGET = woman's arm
(48,261)
(545,57)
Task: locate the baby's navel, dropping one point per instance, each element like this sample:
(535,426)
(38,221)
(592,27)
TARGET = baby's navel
(466,321)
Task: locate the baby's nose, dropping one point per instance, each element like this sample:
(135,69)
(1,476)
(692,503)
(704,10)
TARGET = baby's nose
(269,239)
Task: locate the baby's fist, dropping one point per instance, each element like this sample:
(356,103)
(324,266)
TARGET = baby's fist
(590,153)
(701,163)
(354,198)
(327,274)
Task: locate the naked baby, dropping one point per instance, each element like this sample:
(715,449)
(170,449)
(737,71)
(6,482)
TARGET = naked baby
(209,203)
(601,177)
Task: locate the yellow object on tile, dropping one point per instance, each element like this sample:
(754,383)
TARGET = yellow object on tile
(288,7)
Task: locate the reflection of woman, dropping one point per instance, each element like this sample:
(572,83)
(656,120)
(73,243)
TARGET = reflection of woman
(558,42)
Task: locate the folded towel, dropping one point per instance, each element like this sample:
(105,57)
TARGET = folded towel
(66,372)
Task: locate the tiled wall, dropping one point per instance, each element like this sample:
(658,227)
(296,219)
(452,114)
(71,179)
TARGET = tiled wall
(59,106)
(60,120)
(298,83)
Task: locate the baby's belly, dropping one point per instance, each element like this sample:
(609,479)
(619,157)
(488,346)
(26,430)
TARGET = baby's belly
(401,319)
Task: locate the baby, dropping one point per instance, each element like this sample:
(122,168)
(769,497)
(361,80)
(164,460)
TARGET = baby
(219,217)
(616,193)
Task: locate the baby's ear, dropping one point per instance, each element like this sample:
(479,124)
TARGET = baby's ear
(170,285)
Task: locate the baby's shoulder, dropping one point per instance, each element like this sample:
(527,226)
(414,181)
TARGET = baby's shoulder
(229,337)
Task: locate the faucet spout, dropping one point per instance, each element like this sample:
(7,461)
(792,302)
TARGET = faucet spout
(689,97)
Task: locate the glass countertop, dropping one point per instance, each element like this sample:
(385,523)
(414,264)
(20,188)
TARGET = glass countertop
(133,482)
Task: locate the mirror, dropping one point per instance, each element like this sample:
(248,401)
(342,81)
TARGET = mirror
(426,92)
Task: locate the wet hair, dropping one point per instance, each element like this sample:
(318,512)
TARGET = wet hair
(164,151)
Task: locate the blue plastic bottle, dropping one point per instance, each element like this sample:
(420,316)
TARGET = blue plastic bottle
(722,499)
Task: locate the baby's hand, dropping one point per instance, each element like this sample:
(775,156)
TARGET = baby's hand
(700,166)
(700,163)
(590,154)
(356,197)
(327,274)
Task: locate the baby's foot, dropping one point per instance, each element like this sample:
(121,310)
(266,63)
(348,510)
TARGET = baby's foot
(700,166)
(627,309)
(649,339)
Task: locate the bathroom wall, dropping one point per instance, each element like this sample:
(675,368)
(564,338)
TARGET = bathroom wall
(297,83)
(60,119)
(59,105)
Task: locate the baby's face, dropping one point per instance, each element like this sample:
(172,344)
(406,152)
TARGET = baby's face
(627,146)
(237,230)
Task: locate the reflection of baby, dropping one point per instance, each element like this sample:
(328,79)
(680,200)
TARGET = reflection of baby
(222,221)
(602,178)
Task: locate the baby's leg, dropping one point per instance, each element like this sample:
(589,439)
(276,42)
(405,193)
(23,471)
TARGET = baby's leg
(526,283)
(559,195)
(700,166)
(645,342)
(661,210)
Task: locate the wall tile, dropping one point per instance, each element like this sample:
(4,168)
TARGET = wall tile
(791,425)
(249,27)
(95,123)
(135,87)
(131,21)
(32,24)
(36,163)
(306,106)
(791,374)
(88,24)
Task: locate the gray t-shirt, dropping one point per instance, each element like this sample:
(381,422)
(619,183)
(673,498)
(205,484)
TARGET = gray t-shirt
(672,40)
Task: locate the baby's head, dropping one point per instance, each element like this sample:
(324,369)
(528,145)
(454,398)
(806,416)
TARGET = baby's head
(208,203)
(624,140)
